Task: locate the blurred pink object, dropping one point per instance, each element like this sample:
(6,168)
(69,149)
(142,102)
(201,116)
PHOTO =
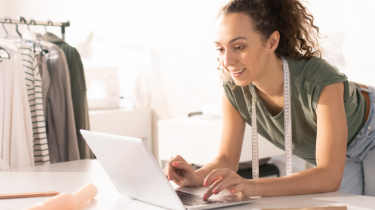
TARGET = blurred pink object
(65,201)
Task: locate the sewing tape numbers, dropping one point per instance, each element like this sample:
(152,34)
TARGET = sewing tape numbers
(254,137)
(287,126)
(287,119)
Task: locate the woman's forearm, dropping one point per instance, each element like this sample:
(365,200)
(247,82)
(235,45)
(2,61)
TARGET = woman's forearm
(216,163)
(315,180)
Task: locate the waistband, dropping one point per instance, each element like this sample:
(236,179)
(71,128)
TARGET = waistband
(370,90)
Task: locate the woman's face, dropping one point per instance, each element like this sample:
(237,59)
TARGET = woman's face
(241,50)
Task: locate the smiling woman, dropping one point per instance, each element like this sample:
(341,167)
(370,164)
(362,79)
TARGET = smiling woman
(332,126)
(298,36)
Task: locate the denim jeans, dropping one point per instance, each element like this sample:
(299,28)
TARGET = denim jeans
(359,172)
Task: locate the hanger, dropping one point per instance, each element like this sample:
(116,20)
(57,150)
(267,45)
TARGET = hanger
(42,50)
(22,19)
(48,22)
(6,52)
(6,19)
(31,21)
(35,43)
(5,29)
(7,34)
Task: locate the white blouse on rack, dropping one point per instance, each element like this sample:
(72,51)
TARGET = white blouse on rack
(17,131)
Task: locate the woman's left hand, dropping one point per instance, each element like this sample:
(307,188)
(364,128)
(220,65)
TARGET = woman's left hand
(221,179)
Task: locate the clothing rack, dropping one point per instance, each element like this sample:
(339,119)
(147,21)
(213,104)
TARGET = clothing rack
(22,21)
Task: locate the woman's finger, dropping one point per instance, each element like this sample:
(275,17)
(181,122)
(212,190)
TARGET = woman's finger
(165,173)
(174,174)
(182,165)
(237,188)
(231,189)
(226,184)
(215,175)
(168,174)
(177,158)
(209,192)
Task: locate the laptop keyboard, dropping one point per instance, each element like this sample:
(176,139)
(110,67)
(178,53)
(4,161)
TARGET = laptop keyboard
(193,200)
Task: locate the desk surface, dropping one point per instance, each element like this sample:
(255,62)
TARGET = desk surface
(70,176)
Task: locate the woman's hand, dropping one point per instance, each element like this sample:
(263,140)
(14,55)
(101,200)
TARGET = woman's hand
(181,172)
(221,179)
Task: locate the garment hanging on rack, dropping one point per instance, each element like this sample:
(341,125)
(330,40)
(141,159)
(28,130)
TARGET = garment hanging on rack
(17,132)
(34,92)
(79,90)
(46,79)
(61,132)
(3,164)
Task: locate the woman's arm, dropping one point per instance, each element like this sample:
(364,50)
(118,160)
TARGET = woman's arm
(233,130)
(331,143)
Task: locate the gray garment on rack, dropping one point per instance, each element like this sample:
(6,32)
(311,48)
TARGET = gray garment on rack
(78,88)
(60,125)
(61,131)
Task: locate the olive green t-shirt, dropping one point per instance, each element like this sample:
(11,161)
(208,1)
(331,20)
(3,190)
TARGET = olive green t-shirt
(308,79)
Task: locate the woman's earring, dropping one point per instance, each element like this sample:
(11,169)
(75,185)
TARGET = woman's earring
(218,68)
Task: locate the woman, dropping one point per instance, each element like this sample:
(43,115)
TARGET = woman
(332,118)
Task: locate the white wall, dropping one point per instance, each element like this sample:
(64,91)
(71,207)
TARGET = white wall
(178,35)
(348,25)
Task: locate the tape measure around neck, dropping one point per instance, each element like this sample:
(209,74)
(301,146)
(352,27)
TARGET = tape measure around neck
(287,126)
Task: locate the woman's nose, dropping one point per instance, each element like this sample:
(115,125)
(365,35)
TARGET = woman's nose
(228,59)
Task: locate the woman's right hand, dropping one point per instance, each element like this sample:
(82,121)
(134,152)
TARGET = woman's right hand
(181,172)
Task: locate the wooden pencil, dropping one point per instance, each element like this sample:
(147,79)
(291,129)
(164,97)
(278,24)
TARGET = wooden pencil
(28,195)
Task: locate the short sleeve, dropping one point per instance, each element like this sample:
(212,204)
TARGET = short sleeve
(320,74)
(228,85)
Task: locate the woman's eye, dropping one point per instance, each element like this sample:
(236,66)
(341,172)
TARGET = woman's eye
(219,49)
(239,48)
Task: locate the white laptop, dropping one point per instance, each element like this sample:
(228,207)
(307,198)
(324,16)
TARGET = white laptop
(136,174)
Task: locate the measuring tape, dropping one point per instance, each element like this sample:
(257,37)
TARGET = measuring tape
(254,139)
(287,126)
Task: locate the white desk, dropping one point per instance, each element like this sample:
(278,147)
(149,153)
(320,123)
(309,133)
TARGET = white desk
(197,139)
(70,176)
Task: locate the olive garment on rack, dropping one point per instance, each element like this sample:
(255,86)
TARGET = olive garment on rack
(308,79)
(78,90)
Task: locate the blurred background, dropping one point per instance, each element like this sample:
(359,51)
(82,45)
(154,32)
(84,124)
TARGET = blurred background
(160,55)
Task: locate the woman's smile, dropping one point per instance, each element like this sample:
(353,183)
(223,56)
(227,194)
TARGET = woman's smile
(237,73)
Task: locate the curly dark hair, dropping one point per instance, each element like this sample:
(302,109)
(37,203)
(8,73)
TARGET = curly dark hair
(298,34)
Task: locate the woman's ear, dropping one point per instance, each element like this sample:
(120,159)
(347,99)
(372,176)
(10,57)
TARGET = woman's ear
(274,41)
